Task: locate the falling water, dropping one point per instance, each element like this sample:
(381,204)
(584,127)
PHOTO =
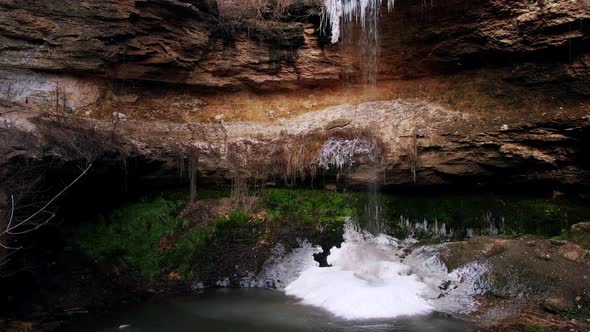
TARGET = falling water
(372,217)
(343,16)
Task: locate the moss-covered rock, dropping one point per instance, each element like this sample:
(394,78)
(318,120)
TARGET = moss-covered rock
(131,236)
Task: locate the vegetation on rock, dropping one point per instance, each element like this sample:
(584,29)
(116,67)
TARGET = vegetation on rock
(153,237)
(134,233)
(311,206)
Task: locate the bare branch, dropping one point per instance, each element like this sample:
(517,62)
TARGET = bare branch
(4,262)
(30,222)
(8,247)
(11,213)
(52,215)
(42,209)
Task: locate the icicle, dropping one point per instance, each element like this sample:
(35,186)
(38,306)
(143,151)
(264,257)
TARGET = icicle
(365,12)
(333,13)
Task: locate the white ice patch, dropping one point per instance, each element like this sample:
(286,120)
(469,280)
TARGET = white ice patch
(223,283)
(450,292)
(370,278)
(339,153)
(492,225)
(283,267)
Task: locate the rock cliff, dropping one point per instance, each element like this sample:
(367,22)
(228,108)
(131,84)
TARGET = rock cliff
(504,85)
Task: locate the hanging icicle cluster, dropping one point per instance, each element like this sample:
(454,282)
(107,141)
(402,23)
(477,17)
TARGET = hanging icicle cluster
(342,16)
(341,12)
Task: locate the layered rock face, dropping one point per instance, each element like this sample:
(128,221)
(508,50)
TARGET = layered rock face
(391,143)
(168,41)
(505,85)
(185,42)
(542,42)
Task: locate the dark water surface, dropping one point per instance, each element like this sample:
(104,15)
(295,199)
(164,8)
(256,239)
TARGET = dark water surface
(260,310)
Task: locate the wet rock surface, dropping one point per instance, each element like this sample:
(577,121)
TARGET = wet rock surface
(529,278)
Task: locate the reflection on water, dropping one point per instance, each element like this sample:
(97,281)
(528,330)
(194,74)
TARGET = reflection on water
(253,309)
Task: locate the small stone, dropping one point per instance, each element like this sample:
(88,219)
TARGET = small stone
(173,276)
(338,123)
(555,304)
(120,116)
(531,243)
(445,285)
(504,127)
(330,187)
(498,247)
(127,98)
(580,234)
(308,104)
(573,252)
(545,257)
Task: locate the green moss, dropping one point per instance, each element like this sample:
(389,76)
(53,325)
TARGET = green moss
(148,237)
(132,236)
(512,214)
(310,206)
(131,233)
(191,242)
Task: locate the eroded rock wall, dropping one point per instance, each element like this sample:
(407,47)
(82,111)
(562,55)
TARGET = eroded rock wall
(185,42)
(164,61)
(171,41)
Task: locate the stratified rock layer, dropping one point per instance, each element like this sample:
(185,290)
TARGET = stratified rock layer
(185,42)
(408,142)
(166,60)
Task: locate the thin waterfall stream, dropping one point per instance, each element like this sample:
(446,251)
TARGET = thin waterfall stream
(344,17)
